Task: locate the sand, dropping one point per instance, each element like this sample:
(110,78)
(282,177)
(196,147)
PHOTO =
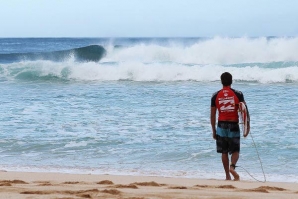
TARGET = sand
(65,186)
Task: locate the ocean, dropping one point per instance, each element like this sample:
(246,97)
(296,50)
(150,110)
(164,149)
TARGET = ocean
(141,106)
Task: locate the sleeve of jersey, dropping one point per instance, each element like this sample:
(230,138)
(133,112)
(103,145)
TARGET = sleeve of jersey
(213,100)
(241,97)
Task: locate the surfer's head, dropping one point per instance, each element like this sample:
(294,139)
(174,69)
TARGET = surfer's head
(226,79)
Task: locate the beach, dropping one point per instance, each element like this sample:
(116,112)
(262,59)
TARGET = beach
(75,127)
(19,185)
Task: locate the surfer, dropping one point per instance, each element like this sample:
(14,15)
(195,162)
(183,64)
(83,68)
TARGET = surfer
(227,132)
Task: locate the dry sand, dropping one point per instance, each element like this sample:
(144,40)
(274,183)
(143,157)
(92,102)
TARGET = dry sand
(65,186)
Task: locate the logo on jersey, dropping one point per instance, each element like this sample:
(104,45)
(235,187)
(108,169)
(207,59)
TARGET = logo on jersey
(226,104)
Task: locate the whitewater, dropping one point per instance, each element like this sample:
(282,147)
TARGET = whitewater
(140,106)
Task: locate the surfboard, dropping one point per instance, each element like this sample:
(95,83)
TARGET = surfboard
(243,118)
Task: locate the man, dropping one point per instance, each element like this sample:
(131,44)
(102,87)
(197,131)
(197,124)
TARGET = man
(227,134)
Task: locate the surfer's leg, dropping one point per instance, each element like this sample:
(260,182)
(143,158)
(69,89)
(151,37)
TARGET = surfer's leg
(225,163)
(234,149)
(234,159)
(222,146)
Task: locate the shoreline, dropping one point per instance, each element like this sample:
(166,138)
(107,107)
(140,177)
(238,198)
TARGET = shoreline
(64,185)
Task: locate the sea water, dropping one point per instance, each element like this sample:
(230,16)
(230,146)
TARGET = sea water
(144,107)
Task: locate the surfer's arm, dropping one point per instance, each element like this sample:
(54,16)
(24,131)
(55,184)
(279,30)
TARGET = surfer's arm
(213,120)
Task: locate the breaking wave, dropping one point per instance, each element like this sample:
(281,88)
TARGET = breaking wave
(144,72)
(89,53)
(262,60)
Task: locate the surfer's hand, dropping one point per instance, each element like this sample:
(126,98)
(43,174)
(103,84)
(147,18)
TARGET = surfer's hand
(214,135)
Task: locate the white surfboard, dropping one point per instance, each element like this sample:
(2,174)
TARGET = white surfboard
(243,118)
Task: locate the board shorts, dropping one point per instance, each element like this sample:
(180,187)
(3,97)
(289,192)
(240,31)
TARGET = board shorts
(227,137)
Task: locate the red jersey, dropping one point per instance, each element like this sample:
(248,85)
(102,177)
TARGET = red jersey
(227,101)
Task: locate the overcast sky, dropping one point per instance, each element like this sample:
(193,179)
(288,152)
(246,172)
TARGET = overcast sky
(148,18)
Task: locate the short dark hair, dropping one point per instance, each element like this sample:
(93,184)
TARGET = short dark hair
(226,79)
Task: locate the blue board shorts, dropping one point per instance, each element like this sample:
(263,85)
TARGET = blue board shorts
(227,137)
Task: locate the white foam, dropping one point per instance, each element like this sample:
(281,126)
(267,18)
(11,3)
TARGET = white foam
(217,50)
(203,61)
(76,144)
(137,71)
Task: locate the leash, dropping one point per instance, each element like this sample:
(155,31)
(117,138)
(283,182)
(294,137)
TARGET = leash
(259,161)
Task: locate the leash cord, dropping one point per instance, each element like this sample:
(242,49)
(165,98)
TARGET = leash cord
(260,163)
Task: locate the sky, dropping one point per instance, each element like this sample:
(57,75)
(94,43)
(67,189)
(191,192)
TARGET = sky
(148,18)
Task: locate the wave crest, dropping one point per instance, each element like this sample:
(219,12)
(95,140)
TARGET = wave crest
(83,54)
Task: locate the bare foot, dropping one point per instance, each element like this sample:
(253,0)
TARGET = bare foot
(236,177)
(235,174)
(228,176)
